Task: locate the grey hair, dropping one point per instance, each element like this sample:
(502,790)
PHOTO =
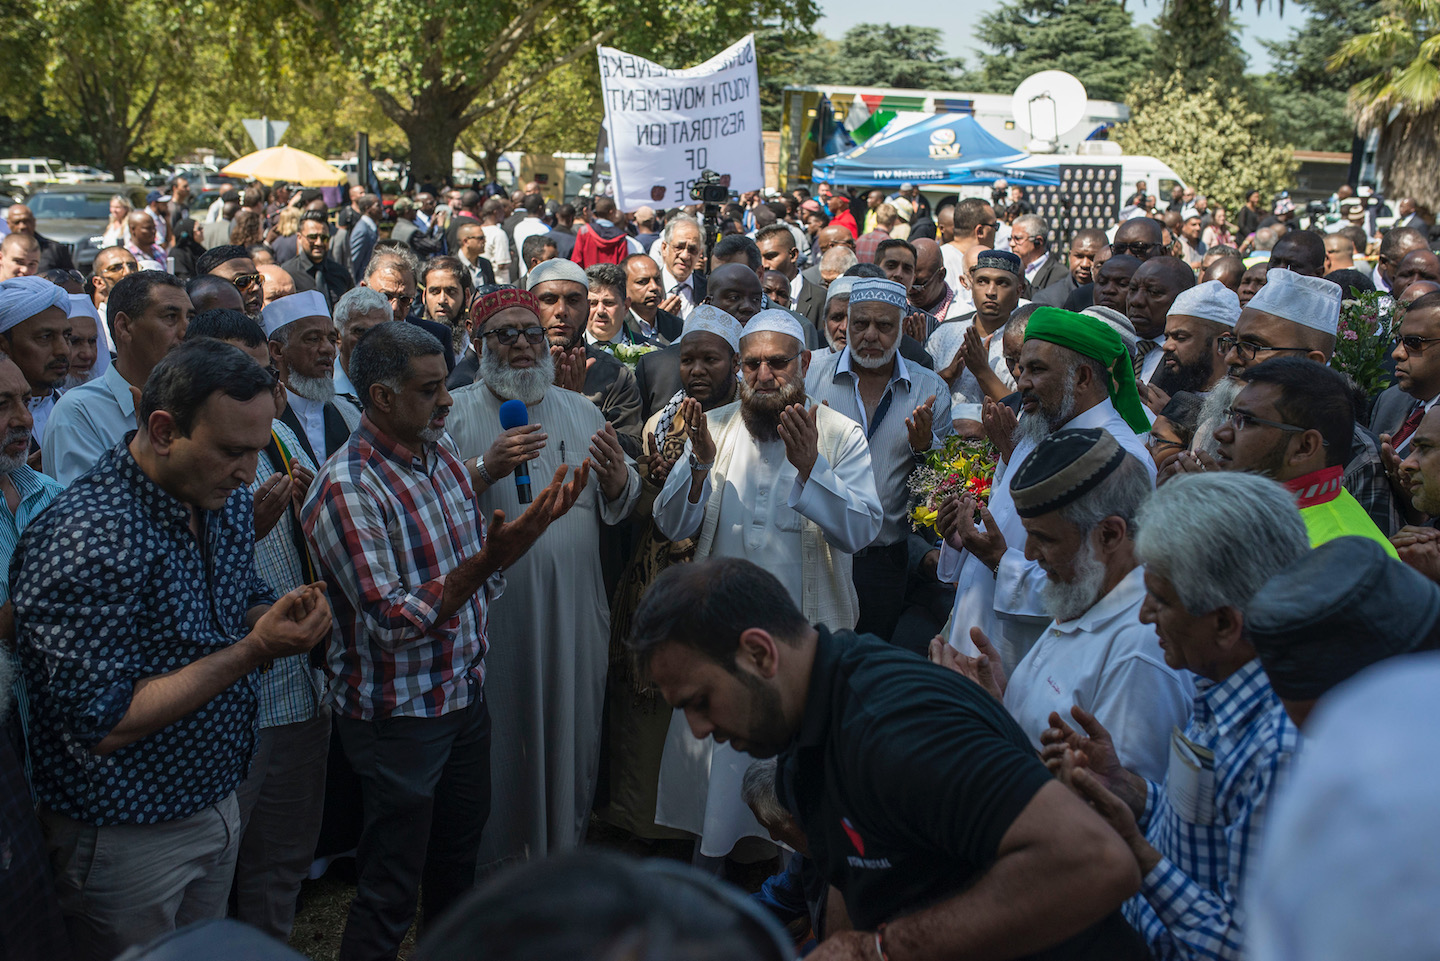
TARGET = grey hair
(676,221)
(1119,495)
(1074,360)
(383,356)
(1265,239)
(386,257)
(757,790)
(609,275)
(838,259)
(1035,225)
(1218,537)
(357,302)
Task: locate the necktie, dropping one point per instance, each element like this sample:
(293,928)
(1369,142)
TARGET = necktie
(1417,414)
(1142,350)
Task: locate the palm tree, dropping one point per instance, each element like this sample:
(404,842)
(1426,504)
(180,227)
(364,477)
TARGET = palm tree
(1401,98)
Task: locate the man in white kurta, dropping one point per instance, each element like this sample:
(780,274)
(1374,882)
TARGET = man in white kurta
(798,502)
(997,589)
(1077,496)
(550,631)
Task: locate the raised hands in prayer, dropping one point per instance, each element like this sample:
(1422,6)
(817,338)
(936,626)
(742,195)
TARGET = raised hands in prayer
(655,464)
(802,438)
(609,460)
(272,499)
(1185,462)
(1000,423)
(914,326)
(506,541)
(697,430)
(1420,548)
(570,367)
(1064,751)
(295,623)
(956,524)
(921,426)
(513,448)
(985,670)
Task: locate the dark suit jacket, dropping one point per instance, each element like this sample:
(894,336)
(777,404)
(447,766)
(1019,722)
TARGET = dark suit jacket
(337,278)
(657,378)
(922,226)
(812,274)
(1390,410)
(337,432)
(1056,294)
(465,372)
(1052,271)
(53,255)
(611,387)
(669,326)
(1080,298)
(403,230)
(811,302)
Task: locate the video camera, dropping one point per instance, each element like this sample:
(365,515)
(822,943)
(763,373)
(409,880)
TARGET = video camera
(709,188)
(1318,211)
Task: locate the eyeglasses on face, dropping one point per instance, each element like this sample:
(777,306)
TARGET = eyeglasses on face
(244,282)
(1246,350)
(1239,419)
(1415,344)
(399,303)
(753,364)
(1135,249)
(507,336)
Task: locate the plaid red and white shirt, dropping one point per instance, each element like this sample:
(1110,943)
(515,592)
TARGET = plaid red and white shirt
(387,525)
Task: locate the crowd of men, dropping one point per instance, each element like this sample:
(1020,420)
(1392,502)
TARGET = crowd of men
(430,548)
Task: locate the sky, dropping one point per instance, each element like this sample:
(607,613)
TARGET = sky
(840,15)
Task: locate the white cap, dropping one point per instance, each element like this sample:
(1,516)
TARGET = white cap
(839,287)
(23,297)
(1348,867)
(1117,322)
(877,289)
(556,268)
(780,321)
(904,208)
(1211,301)
(287,310)
(709,319)
(1312,302)
(82,306)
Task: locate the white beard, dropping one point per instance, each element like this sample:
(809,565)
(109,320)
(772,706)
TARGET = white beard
(1065,602)
(75,380)
(1036,426)
(319,389)
(871,363)
(1212,413)
(527,385)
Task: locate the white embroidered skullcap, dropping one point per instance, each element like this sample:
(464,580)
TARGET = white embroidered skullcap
(82,306)
(879,290)
(708,319)
(779,321)
(1117,322)
(556,268)
(287,310)
(1312,302)
(840,287)
(1211,301)
(23,297)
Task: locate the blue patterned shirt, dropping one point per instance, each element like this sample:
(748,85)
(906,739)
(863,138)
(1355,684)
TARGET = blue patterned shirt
(111,587)
(1190,904)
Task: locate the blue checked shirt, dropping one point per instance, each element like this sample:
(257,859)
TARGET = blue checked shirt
(290,690)
(1190,904)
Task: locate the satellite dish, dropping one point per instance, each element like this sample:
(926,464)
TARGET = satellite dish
(1047,105)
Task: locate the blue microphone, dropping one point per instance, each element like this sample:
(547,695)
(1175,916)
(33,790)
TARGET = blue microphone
(514,414)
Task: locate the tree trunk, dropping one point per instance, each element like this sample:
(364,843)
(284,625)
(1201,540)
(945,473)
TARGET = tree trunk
(1408,148)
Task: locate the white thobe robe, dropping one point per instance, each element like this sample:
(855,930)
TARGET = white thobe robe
(966,396)
(760,520)
(1111,665)
(1006,605)
(549,636)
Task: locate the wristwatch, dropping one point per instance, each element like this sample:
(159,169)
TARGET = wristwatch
(696,465)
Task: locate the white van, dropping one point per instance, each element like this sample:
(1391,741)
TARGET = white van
(30,170)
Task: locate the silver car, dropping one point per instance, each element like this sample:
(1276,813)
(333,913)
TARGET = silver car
(77,214)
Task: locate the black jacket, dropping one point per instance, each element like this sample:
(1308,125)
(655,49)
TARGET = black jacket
(53,255)
(467,368)
(337,278)
(1054,270)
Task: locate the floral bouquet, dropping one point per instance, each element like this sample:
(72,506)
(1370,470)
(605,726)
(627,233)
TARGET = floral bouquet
(1365,337)
(959,467)
(630,354)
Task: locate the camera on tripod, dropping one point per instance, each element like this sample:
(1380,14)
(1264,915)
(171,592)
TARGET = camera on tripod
(710,188)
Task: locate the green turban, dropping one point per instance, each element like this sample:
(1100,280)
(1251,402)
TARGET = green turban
(1095,339)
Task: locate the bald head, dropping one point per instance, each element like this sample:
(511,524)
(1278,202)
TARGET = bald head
(1227,270)
(928,258)
(1416,266)
(142,229)
(834,234)
(1300,251)
(278,282)
(209,292)
(1153,288)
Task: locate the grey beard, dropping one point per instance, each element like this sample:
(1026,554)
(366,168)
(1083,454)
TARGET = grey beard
(1065,602)
(9,464)
(1212,413)
(872,363)
(75,380)
(762,415)
(319,389)
(527,385)
(1039,425)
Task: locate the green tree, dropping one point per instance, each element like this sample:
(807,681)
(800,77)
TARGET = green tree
(562,115)
(1211,137)
(1095,40)
(1400,94)
(785,62)
(439,67)
(1198,43)
(884,55)
(1306,99)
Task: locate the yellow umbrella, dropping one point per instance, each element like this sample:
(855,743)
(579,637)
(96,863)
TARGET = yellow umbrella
(287,164)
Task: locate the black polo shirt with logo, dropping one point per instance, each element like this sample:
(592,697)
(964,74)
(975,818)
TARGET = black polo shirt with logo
(905,776)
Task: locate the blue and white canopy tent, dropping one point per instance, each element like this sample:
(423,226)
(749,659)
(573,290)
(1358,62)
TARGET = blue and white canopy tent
(933,150)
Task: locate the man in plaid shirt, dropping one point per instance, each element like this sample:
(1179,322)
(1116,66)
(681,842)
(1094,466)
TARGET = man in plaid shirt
(392,518)
(1195,835)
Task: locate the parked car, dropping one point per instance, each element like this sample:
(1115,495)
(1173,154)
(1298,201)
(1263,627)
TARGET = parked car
(29,171)
(77,214)
(81,174)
